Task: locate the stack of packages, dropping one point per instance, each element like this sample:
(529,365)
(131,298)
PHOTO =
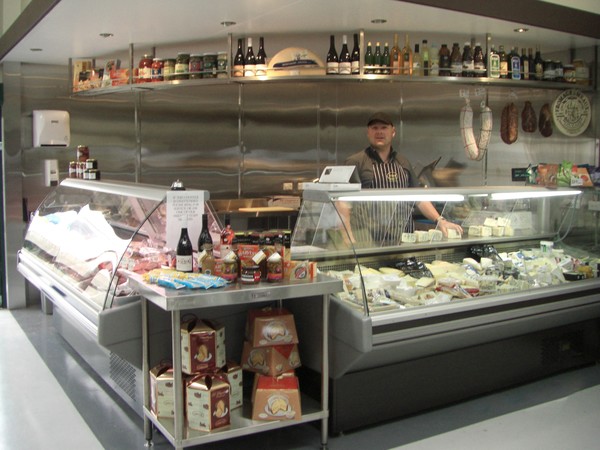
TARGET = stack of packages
(213,385)
(271,352)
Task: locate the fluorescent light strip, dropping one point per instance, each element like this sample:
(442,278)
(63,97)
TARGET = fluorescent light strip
(532,194)
(406,198)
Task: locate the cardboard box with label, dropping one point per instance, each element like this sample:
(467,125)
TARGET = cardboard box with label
(277,398)
(234,374)
(161,390)
(272,361)
(271,326)
(207,402)
(202,346)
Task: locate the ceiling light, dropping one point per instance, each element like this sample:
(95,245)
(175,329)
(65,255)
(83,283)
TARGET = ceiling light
(106,35)
(378,21)
(228,23)
(521,30)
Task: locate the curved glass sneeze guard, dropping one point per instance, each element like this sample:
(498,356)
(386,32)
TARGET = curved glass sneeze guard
(358,236)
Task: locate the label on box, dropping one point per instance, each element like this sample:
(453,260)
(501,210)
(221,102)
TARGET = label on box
(273,360)
(271,326)
(234,375)
(202,346)
(207,402)
(277,398)
(161,391)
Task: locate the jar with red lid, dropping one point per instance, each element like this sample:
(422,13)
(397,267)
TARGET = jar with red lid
(157,69)
(145,69)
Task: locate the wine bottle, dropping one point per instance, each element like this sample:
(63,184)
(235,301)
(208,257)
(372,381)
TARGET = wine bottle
(369,59)
(417,62)
(250,66)
(538,64)
(444,61)
(355,57)
(238,60)
(385,60)
(184,252)
(395,56)
(407,57)
(333,63)
(425,57)
(531,63)
(206,259)
(377,59)
(503,62)
(345,64)
(261,58)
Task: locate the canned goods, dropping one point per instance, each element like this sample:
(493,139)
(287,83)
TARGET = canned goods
(222,65)
(157,69)
(210,65)
(196,67)
(182,66)
(168,69)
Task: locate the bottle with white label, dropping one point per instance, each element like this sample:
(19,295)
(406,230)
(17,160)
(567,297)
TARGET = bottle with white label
(250,65)
(184,253)
(345,63)
(333,63)
(261,58)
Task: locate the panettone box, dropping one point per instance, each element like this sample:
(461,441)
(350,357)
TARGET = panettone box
(161,390)
(207,402)
(202,346)
(270,326)
(234,374)
(257,376)
(277,398)
(272,361)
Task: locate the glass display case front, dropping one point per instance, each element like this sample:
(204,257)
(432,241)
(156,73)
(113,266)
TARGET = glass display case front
(391,259)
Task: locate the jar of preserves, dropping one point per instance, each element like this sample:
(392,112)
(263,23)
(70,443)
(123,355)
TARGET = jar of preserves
(168,70)
(222,65)
(549,70)
(145,69)
(182,66)
(582,72)
(210,65)
(73,169)
(93,174)
(569,73)
(83,152)
(250,275)
(157,69)
(195,67)
(91,164)
(558,71)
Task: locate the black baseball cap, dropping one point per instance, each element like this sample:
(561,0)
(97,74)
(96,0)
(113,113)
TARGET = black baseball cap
(380,117)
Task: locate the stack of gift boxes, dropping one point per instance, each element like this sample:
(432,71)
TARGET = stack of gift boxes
(213,386)
(271,352)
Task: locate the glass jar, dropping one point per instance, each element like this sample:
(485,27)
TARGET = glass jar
(582,72)
(195,67)
(168,70)
(182,66)
(558,71)
(569,73)
(210,65)
(157,69)
(250,275)
(222,65)
(549,70)
(145,69)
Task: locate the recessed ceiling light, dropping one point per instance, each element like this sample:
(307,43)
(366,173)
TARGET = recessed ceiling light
(378,21)
(106,35)
(521,30)
(228,23)
(36,49)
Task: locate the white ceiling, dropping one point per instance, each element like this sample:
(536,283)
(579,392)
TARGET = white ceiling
(73,27)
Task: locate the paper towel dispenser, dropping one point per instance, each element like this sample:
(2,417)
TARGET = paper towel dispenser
(51,128)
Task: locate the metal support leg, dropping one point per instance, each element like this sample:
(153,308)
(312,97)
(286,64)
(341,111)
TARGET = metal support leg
(177,379)
(325,373)
(145,371)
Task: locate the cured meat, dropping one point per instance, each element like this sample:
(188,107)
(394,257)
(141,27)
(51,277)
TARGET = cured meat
(509,124)
(475,149)
(545,123)
(528,118)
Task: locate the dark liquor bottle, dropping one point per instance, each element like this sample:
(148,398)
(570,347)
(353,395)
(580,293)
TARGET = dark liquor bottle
(206,259)
(261,58)
(468,61)
(455,61)
(250,66)
(369,59)
(238,60)
(531,63)
(444,57)
(333,62)
(479,61)
(345,64)
(524,65)
(355,57)
(184,254)
(503,62)
(538,65)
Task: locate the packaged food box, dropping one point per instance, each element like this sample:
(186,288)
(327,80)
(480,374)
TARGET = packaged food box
(207,402)
(234,374)
(202,346)
(270,326)
(277,398)
(257,376)
(273,360)
(161,390)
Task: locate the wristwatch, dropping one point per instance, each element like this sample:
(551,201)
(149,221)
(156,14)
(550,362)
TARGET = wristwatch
(440,218)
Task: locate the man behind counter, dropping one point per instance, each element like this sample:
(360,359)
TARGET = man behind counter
(379,166)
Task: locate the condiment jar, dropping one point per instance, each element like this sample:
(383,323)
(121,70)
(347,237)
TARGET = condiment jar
(168,69)
(195,67)
(222,65)
(182,66)
(157,69)
(145,69)
(210,65)
(250,275)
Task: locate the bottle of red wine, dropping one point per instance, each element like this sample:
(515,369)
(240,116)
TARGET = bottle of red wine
(261,58)
(205,247)
(345,62)
(250,66)
(184,253)
(333,63)
(239,60)
(355,57)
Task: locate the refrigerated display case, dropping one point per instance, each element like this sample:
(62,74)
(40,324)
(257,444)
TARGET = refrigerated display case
(78,243)
(426,319)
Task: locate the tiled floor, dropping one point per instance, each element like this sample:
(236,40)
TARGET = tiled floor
(50,400)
